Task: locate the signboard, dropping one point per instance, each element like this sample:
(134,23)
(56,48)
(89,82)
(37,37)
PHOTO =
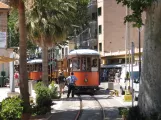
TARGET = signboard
(3,42)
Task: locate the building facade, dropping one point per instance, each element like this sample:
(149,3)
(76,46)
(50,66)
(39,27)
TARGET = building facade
(4,9)
(112,32)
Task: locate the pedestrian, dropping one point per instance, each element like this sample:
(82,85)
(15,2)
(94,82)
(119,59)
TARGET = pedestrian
(16,78)
(71,84)
(61,82)
(117,77)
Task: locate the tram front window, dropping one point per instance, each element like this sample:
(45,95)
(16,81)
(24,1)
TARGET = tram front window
(94,64)
(89,63)
(75,64)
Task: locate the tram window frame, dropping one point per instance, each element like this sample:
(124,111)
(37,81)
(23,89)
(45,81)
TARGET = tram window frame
(82,63)
(88,65)
(95,68)
(78,64)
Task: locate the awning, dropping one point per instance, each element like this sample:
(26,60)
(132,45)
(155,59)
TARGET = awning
(4,59)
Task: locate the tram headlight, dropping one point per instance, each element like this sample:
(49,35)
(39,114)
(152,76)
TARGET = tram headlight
(85,80)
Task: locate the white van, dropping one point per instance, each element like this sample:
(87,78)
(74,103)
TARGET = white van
(124,84)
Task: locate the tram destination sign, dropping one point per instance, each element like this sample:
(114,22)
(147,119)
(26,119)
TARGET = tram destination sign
(3,41)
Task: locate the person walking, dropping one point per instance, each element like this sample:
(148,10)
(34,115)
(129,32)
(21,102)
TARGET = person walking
(16,78)
(61,82)
(71,84)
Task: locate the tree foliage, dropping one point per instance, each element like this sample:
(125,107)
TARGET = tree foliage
(80,17)
(50,19)
(13,34)
(137,7)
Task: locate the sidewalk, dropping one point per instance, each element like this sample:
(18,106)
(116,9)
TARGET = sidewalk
(5,90)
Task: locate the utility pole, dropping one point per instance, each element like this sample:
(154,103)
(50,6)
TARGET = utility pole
(139,53)
(75,37)
(127,45)
(127,38)
(132,79)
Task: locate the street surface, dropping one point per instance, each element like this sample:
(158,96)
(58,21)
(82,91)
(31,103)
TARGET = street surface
(67,108)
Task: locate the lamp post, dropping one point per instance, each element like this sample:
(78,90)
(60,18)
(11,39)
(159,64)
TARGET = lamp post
(132,79)
(127,38)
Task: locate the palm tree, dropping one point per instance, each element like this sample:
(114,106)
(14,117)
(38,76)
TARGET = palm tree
(47,24)
(19,4)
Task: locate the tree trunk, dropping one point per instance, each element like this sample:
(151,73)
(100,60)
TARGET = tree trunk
(150,85)
(45,64)
(23,68)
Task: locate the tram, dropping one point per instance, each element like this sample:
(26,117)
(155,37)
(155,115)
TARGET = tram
(85,63)
(34,68)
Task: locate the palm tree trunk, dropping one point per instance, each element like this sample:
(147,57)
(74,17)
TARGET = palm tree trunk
(150,85)
(23,68)
(45,64)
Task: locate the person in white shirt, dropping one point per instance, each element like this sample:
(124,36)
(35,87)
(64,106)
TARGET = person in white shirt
(71,84)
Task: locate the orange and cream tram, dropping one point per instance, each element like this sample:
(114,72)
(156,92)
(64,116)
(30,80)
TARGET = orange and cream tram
(85,63)
(34,68)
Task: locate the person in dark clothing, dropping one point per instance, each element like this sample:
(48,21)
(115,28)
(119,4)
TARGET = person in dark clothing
(61,82)
(71,84)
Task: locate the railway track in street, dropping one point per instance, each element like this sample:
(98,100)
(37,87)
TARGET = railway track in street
(80,110)
(97,112)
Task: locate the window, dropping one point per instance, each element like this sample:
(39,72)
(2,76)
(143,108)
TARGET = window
(100,29)
(66,51)
(95,47)
(95,34)
(94,64)
(93,16)
(100,46)
(62,52)
(99,11)
(75,64)
(83,64)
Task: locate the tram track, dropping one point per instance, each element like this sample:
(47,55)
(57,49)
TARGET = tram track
(91,97)
(101,107)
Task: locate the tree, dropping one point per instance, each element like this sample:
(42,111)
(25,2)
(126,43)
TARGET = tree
(80,17)
(19,4)
(47,24)
(13,31)
(149,95)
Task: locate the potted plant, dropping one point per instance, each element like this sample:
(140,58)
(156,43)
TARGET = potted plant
(124,113)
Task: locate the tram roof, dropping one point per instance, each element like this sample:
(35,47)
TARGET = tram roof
(34,61)
(83,52)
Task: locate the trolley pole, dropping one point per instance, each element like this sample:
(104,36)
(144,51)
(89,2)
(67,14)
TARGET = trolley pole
(132,61)
(75,37)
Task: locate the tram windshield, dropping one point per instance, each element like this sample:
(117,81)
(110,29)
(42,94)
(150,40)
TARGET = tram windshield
(84,63)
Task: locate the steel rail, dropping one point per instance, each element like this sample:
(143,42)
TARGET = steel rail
(80,110)
(103,111)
